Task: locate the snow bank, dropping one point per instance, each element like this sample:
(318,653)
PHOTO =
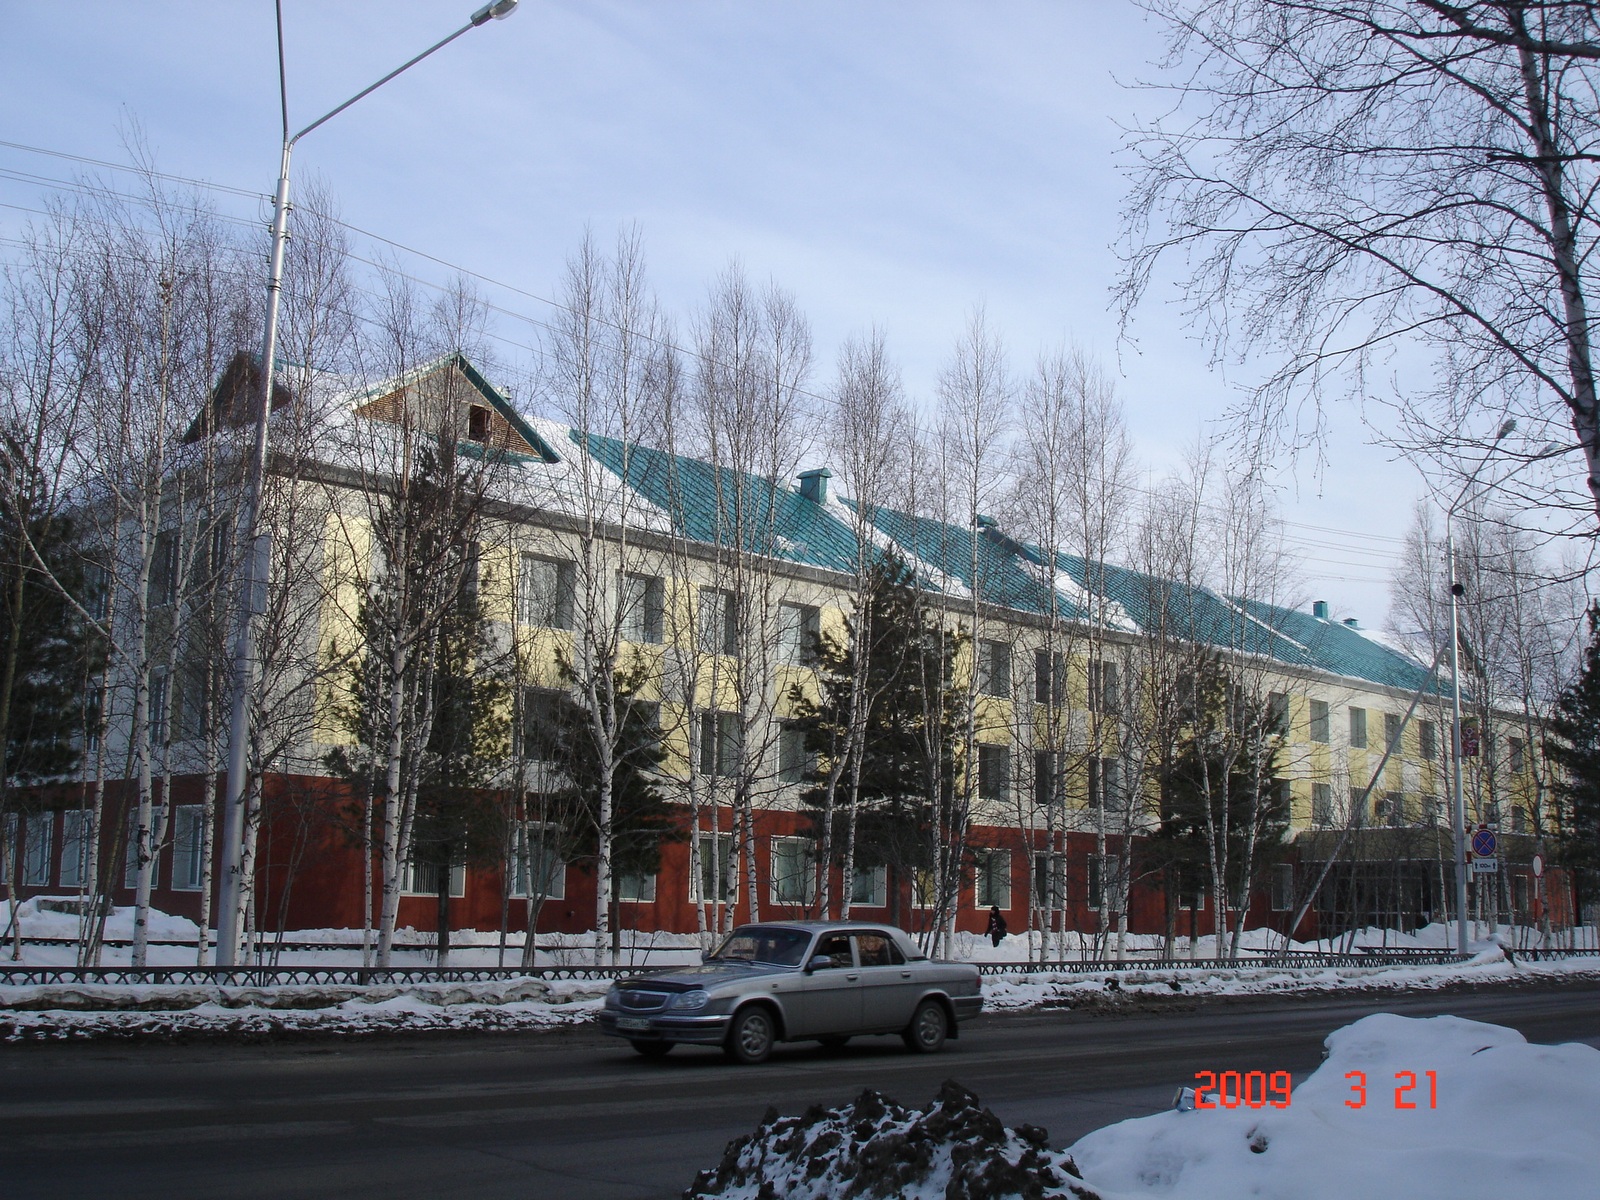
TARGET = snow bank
(1509,1119)
(1498,1118)
(955,1149)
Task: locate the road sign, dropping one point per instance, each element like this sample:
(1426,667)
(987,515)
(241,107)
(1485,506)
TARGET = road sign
(1483,842)
(1538,866)
(1485,866)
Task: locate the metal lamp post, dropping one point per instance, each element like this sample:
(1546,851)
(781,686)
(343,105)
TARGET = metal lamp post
(1458,812)
(252,543)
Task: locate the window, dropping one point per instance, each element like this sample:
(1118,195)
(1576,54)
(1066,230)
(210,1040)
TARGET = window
(642,608)
(9,850)
(1428,740)
(1321,804)
(1049,677)
(546,594)
(1282,887)
(164,569)
(539,732)
(799,626)
(1105,782)
(1105,694)
(634,888)
(188,845)
(1046,785)
(477,423)
(196,685)
(1519,819)
(536,866)
(994,772)
(1514,748)
(1358,805)
(719,624)
(1390,809)
(423,879)
(994,668)
(924,888)
(1104,868)
(1319,721)
(721,741)
(1278,713)
(37,848)
(1186,695)
(991,878)
(1050,880)
(1358,728)
(869,886)
(160,695)
(130,871)
(1281,792)
(1392,729)
(96,591)
(794,764)
(74,848)
(719,874)
(794,876)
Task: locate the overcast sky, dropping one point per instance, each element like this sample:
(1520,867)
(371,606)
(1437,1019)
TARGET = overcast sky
(891,163)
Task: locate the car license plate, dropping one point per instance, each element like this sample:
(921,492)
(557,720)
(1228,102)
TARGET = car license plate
(633,1023)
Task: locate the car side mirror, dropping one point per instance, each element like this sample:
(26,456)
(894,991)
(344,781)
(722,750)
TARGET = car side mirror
(820,962)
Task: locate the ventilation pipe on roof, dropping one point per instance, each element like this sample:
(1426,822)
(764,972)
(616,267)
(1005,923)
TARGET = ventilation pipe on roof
(1319,609)
(814,484)
(1352,623)
(988,523)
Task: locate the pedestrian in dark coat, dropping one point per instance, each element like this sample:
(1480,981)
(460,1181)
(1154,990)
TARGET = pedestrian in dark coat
(997,925)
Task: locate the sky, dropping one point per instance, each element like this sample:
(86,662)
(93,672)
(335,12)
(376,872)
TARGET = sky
(892,164)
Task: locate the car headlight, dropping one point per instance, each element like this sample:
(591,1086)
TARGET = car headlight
(691,1001)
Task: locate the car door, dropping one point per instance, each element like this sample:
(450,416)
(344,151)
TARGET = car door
(888,984)
(830,997)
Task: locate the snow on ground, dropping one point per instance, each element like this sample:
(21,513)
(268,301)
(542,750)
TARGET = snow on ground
(1509,1119)
(1497,1118)
(75,1011)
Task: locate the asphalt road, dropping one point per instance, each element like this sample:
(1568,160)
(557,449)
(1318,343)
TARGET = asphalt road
(571,1114)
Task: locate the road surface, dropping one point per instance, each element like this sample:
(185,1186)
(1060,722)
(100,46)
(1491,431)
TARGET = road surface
(570,1114)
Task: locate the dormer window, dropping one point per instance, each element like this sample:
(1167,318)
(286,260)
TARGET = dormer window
(478,423)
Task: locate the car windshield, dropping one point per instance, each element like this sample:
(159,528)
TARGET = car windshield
(759,944)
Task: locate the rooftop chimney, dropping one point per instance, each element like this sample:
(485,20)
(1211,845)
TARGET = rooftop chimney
(1352,623)
(814,484)
(985,522)
(1319,609)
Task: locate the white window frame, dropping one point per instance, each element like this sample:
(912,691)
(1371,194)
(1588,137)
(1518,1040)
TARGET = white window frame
(725,859)
(520,866)
(410,877)
(990,652)
(188,866)
(799,855)
(798,627)
(38,849)
(1002,755)
(643,600)
(75,825)
(632,888)
(1282,899)
(717,626)
(1048,878)
(878,890)
(986,891)
(555,610)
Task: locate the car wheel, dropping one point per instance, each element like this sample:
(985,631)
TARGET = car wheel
(652,1049)
(750,1040)
(836,1042)
(928,1029)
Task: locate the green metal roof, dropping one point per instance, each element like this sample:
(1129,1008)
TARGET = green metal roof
(703,503)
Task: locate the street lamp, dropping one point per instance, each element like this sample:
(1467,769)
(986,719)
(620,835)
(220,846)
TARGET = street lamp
(253,547)
(1458,812)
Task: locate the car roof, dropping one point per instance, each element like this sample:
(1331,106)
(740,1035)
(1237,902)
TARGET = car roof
(815,926)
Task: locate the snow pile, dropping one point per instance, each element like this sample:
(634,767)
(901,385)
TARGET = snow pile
(85,1011)
(1511,1120)
(955,1149)
(1498,1118)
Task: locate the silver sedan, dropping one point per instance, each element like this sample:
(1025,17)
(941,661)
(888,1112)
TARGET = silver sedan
(787,981)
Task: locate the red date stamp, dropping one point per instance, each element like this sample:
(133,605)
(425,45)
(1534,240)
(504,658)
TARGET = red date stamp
(1258,1089)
